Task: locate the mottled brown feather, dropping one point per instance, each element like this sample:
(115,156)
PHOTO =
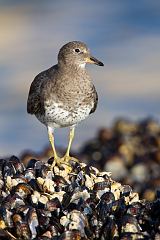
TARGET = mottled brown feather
(35,103)
(95,101)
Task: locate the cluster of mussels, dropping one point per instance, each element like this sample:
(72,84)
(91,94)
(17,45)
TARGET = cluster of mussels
(70,202)
(131,151)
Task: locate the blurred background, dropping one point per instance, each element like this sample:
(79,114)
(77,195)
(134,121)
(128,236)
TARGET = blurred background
(124,35)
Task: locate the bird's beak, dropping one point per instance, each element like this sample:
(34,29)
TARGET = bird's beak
(91,59)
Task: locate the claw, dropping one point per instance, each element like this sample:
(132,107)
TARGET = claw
(64,162)
(67,159)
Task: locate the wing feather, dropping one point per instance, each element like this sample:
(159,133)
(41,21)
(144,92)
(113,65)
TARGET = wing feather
(95,97)
(35,103)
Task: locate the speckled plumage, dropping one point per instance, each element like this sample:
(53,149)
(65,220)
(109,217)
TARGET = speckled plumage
(64,95)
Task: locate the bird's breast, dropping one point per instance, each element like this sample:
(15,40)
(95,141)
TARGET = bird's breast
(66,116)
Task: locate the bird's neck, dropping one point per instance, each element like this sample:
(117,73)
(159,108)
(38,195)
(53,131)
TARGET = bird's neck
(71,67)
(77,73)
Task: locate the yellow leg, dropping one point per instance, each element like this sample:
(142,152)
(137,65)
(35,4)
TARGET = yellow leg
(67,157)
(51,139)
(71,136)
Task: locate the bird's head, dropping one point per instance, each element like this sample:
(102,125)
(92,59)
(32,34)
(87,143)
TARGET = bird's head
(76,54)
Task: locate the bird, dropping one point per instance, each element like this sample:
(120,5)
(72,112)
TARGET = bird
(64,94)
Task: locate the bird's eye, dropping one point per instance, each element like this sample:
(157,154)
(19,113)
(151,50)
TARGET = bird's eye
(77,50)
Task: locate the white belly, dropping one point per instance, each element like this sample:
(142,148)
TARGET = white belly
(58,117)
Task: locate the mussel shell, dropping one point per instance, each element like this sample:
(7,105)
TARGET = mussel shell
(88,170)
(106,205)
(45,238)
(59,180)
(66,199)
(22,189)
(29,174)
(135,208)
(53,204)
(128,218)
(13,201)
(55,225)
(3,213)
(4,235)
(109,229)
(132,236)
(32,163)
(129,224)
(50,160)
(108,197)
(43,219)
(34,185)
(101,185)
(126,190)
(23,231)
(17,218)
(70,235)
(12,167)
(80,179)
(17,164)
(43,171)
(32,220)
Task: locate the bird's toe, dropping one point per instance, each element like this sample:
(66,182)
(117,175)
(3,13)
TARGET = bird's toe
(69,159)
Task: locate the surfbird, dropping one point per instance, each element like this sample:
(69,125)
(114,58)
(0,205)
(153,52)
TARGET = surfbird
(64,95)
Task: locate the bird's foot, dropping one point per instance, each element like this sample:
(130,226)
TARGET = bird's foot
(68,162)
(67,159)
(64,162)
(56,161)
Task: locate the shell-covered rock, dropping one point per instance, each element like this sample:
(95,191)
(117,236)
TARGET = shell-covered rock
(76,202)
